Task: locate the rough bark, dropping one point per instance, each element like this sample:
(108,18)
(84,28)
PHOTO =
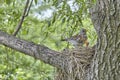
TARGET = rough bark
(70,63)
(40,52)
(105,16)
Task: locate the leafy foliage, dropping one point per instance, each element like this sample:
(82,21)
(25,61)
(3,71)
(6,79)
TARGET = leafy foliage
(67,19)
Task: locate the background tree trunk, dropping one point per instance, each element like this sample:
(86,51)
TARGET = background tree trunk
(106,19)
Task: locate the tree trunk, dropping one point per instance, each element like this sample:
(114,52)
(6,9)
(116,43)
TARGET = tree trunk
(105,16)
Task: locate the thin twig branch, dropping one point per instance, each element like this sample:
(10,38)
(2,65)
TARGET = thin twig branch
(28,8)
(25,13)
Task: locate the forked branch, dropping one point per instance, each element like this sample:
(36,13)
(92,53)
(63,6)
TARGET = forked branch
(25,14)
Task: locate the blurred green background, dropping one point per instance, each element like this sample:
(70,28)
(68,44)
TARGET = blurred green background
(48,22)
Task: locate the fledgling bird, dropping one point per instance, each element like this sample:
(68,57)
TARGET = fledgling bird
(78,40)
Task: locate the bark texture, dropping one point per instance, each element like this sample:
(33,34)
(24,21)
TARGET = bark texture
(105,16)
(71,64)
(40,52)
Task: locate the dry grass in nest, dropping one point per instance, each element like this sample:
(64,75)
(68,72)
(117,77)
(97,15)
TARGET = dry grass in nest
(77,62)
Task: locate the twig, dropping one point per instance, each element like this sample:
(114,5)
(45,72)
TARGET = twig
(25,13)
(28,8)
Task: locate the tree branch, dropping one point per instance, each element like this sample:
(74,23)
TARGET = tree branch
(25,14)
(29,48)
(28,8)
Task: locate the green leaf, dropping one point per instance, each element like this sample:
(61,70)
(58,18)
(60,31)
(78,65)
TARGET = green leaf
(8,1)
(36,1)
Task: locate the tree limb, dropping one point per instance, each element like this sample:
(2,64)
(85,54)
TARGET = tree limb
(40,52)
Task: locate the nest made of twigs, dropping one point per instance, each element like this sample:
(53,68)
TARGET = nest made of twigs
(76,64)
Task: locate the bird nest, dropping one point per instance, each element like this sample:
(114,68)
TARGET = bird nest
(77,62)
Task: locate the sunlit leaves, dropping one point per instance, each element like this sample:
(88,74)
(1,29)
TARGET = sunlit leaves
(13,64)
(66,19)
(8,1)
(9,16)
(36,1)
(67,13)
